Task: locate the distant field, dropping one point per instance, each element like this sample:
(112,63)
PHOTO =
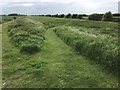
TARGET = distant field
(4,19)
(44,52)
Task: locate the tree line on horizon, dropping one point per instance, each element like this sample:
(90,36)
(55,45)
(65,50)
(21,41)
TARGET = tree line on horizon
(108,16)
(69,15)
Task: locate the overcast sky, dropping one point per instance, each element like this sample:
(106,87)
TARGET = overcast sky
(58,6)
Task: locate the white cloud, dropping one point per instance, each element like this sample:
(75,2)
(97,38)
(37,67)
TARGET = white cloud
(2,4)
(27,0)
(26,4)
(64,1)
(95,4)
(92,2)
(95,1)
(15,4)
(73,6)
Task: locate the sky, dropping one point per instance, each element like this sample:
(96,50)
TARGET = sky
(33,7)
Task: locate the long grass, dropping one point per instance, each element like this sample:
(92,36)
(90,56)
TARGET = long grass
(103,49)
(26,35)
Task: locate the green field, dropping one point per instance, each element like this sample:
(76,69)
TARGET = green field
(44,52)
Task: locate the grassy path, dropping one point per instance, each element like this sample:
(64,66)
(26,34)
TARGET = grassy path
(57,65)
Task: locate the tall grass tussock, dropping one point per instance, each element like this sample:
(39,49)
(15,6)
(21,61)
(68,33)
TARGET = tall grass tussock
(26,34)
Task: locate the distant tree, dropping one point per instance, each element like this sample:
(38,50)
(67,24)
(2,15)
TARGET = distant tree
(13,14)
(95,16)
(107,16)
(48,15)
(68,15)
(84,15)
(79,16)
(42,15)
(56,15)
(61,16)
(116,14)
(52,15)
(74,16)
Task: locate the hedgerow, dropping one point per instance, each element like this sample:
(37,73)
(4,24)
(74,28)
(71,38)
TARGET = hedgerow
(96,17)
